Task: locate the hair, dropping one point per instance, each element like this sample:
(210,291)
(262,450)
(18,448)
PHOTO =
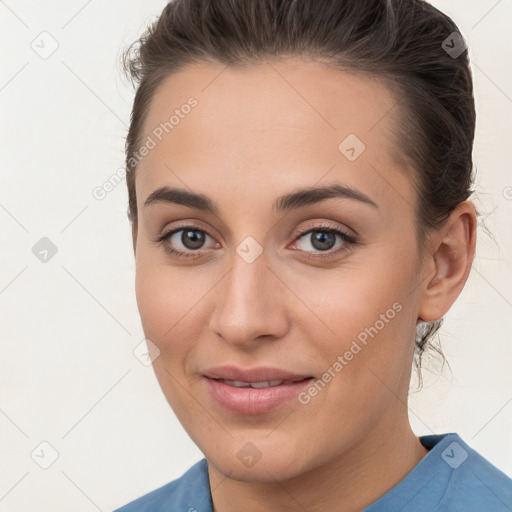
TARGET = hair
(399,42)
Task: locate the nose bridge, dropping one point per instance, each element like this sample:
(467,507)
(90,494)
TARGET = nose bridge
(246,304)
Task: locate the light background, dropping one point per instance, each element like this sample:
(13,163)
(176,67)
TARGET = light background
(67,372)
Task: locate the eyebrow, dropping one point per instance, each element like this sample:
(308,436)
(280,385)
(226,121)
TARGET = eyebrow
(298,199)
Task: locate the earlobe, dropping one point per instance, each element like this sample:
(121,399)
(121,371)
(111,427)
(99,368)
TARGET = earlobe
(451,257)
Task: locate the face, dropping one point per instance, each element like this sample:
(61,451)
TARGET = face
(325,289)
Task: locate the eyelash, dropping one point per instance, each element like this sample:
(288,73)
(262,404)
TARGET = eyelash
(324,228)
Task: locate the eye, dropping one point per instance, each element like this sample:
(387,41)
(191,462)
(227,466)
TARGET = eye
(322,238)
(191,238)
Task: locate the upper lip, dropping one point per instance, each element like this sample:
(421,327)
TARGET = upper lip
(259,374)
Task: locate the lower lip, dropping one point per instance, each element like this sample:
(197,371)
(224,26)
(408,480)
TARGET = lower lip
(253,400)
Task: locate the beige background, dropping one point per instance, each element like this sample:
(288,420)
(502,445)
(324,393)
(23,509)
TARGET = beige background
(68,375)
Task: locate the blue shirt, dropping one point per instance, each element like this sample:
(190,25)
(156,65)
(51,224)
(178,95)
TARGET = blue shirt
(451,477)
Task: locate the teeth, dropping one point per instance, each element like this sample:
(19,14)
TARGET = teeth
(264,384)
(236,383)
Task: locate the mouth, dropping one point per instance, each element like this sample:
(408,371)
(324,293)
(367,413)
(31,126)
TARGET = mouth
(254,397)
(261,384)
(260,376)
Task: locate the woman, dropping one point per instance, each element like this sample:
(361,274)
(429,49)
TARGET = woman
(299,175)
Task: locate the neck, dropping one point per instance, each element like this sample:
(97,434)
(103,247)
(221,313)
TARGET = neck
(355,479)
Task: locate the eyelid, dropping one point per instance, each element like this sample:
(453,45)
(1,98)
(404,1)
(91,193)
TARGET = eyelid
(324,226)
(191,225)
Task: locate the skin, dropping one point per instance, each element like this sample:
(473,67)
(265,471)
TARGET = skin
(256,134)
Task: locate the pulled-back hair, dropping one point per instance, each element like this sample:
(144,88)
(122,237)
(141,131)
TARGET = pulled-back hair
(404,43)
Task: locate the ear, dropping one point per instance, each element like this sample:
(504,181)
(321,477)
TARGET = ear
(449,258)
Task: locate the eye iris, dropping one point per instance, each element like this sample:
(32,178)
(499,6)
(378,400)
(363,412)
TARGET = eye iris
(194,241)
(320,237)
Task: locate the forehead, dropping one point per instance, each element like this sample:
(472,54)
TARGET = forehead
(276,123)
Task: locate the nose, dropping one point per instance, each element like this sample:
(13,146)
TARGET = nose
(250,304)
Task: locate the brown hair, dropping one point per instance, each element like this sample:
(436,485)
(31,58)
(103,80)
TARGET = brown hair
(401,42)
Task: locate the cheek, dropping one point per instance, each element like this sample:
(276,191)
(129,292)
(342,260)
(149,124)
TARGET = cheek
(346,305)
(364,314)
(165,300)
(166,306)
(366,363)
(174,305)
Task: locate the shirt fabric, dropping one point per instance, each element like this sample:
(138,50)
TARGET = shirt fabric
(451,477)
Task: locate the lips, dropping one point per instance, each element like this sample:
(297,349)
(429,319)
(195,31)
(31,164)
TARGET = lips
(254,375)
(250,401)
(253,391)
(262,384)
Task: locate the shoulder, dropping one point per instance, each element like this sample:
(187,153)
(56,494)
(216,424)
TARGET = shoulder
(451,477)
(474,483)
(188,493)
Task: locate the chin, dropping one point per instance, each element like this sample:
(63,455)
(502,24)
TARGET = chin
(258,461)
